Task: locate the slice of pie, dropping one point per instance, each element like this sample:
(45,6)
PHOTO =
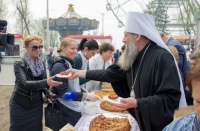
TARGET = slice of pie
(102,123)
(63,73)
(102,93)
(105,105)
(113,97)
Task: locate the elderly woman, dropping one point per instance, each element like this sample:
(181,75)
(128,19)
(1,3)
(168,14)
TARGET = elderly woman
(100,61)
(26,104)
(193,57)
(190,122)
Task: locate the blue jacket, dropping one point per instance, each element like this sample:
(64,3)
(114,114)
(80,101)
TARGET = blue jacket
(50,61)
(116,56)
(184,123)
(182,62)
(58,66)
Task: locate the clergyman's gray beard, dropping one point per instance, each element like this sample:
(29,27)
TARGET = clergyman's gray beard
(128,57)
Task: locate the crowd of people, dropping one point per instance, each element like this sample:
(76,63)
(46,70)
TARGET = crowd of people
(151,74)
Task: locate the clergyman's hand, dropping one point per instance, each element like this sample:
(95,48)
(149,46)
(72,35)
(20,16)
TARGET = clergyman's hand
(51,82)
(76,73)
(126,103)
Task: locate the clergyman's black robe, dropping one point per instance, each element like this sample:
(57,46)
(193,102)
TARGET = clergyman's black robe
(157,87)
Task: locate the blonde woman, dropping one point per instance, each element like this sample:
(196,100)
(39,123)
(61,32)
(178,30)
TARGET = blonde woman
(193,57)
(174,51)
(188,94)
(72,110)
(26,104)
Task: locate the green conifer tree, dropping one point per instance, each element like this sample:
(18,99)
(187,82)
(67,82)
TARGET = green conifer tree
(158,8)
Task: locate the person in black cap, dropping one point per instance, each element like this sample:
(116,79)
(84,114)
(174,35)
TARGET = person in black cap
(123,49)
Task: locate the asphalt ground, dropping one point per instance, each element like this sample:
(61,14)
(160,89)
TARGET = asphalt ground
(7,75)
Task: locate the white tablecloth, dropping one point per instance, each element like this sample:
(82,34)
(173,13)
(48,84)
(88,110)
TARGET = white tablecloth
(83,123)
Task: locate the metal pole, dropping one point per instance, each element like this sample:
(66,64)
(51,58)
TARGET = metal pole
(198,29)
(48,42)
(103,24)
(190,43)
(102,33)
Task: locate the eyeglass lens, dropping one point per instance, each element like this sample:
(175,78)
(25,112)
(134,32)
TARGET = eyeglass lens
(35,48)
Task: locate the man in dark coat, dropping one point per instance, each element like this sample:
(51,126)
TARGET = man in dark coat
(50,58)
(182,62)
(146,75)
(123,49)
(116,55)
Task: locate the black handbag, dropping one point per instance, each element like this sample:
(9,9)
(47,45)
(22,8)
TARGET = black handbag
(53,117)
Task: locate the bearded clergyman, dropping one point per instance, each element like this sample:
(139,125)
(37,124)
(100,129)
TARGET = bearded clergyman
(146,75)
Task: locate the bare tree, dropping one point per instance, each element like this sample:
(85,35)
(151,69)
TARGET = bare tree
(3,9)
(188,11)
(24,15)
(38,29)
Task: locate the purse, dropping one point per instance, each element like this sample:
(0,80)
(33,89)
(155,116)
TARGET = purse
(53,116)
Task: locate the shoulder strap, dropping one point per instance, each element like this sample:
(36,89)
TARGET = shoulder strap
(59,60)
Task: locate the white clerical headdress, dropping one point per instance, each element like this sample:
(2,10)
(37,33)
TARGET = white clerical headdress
(144,24)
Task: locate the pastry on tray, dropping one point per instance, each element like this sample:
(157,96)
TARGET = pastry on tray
(102,123)
(105,105)
(102,93)
(113,97)
(63,73)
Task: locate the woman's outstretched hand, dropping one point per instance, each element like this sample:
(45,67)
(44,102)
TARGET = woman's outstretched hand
(51,82)
(76,73)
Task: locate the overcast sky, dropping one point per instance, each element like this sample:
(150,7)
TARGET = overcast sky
(92,9)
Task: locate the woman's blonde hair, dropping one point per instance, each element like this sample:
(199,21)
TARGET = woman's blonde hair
(65,42)
(195,55)
(193,74)
(174,51)
(29,38)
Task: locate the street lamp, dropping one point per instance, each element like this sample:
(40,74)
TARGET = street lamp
(102,21)
(198,29)
(48,41)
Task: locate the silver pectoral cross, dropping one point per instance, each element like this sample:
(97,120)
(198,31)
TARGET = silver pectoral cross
(132,93)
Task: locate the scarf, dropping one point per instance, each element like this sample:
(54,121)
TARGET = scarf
(37,67)
(196,125)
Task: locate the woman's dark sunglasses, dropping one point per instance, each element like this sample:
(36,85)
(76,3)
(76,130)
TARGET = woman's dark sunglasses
(35,48)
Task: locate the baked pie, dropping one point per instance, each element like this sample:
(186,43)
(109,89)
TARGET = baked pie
(105,105)
(107,86)
(63,73)
(113,97)
(102,123)
(102,93)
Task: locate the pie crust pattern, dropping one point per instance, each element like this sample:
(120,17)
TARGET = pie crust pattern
(105,105)
(102,93)
(102,123)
